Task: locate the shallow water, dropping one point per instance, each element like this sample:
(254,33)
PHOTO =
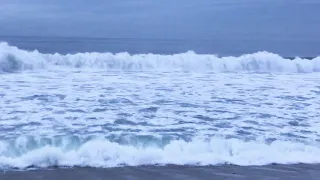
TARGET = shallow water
(108,110)
(96,118)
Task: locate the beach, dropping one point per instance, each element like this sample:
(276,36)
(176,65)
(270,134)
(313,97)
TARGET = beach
(172,172)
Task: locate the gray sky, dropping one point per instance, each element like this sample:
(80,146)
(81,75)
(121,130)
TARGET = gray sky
(194,19)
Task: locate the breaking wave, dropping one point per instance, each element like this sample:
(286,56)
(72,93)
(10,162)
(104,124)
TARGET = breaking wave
(66,151)
(13,59)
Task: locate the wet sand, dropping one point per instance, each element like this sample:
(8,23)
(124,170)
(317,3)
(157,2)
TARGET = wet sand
(225,172)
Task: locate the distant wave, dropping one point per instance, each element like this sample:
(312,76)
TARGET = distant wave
(71,151)
(13,59)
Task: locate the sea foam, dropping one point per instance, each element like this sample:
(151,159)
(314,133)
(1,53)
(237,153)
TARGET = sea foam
(13,59)
(100,152)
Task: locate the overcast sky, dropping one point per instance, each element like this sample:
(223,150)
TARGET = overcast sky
(194,19)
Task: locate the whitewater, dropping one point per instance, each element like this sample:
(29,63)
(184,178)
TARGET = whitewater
(13,59)
(96,109)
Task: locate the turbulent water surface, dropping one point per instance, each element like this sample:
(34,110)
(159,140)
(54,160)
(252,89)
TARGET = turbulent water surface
(109,110)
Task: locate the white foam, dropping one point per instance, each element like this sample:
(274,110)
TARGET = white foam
(14,59)
(103,153)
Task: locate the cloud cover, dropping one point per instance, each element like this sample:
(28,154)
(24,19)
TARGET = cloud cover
(202,19)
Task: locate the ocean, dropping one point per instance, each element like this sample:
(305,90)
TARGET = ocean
(91,109)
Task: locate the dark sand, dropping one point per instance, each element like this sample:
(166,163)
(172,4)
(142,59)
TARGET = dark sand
(271,172)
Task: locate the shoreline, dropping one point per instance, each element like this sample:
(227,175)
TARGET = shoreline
(174,172)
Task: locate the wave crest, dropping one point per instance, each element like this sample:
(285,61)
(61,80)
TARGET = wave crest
(100,152)
(13,59)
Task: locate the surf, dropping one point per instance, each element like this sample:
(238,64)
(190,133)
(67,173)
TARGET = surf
(69,151)
(13,59)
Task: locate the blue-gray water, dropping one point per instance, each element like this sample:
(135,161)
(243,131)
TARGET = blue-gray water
(221,46)
(104,103)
